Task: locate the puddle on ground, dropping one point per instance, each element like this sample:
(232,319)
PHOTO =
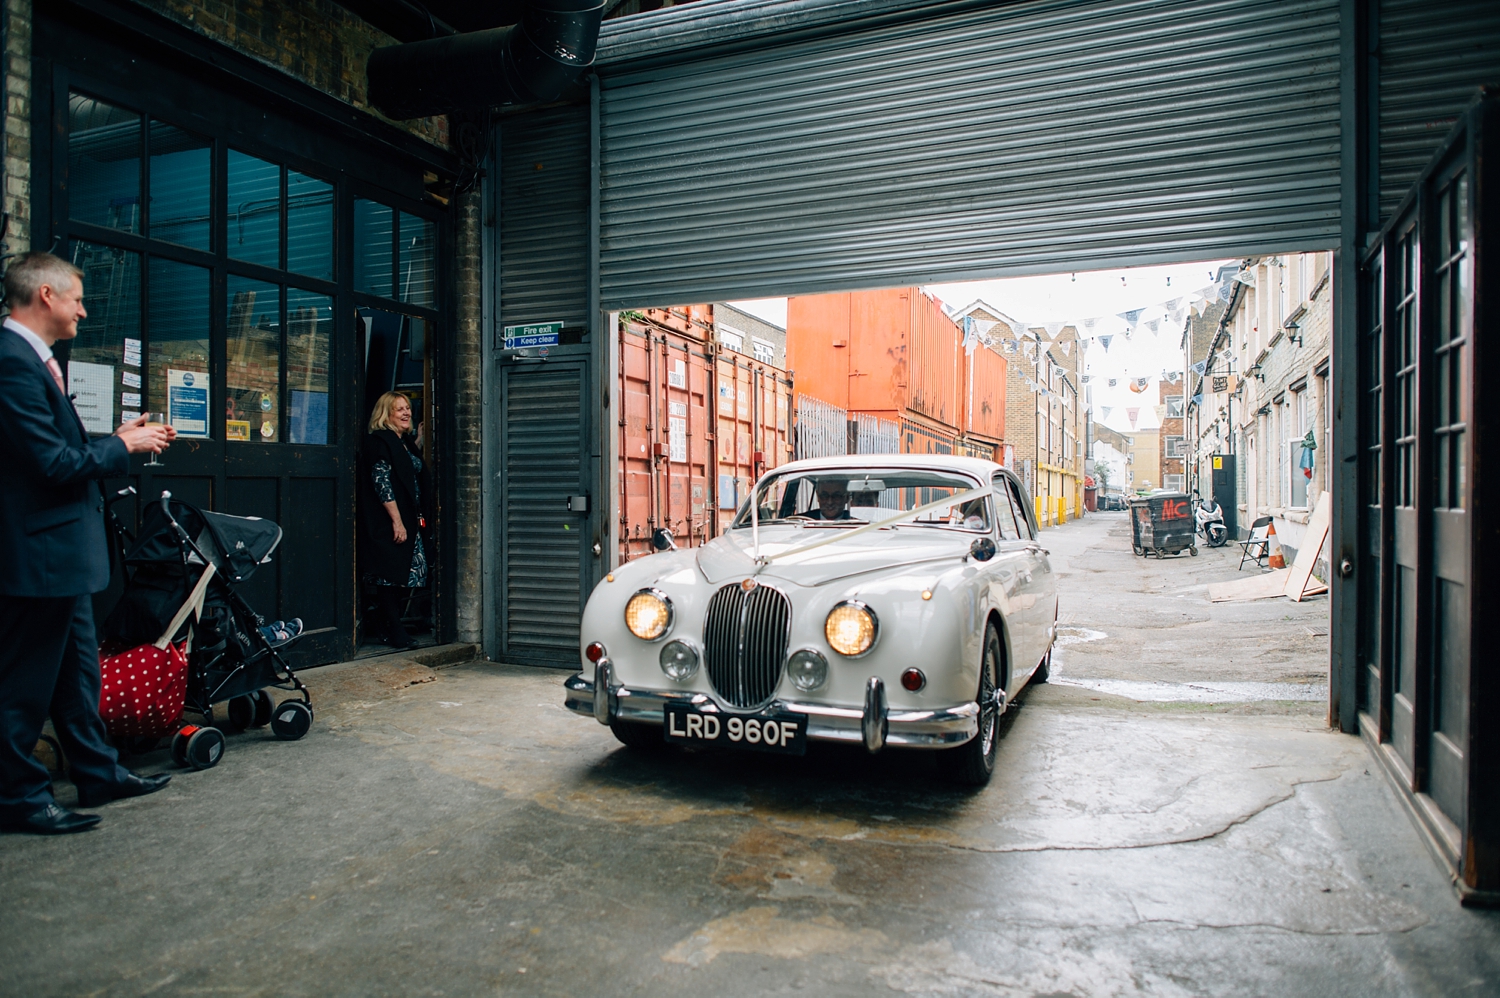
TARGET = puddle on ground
(1203,692)
(1067,635)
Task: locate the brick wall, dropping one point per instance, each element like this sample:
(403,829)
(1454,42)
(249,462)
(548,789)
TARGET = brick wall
(315,41)
(468,417)
(17,193)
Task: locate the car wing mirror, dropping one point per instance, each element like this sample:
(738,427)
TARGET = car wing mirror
(983,549)
(661,539)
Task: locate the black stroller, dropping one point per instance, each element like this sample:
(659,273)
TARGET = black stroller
(229,659)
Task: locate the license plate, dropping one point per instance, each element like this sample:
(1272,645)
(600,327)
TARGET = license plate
(782,732)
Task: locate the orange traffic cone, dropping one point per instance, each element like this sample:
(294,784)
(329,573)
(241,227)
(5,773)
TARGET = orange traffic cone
(1276,559)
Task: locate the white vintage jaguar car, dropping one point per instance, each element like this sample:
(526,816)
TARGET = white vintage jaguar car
(897,600)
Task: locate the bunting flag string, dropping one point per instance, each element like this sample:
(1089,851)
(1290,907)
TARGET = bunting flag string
(1132,415)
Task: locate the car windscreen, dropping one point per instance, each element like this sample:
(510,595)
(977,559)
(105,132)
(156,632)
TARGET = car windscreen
(855,496)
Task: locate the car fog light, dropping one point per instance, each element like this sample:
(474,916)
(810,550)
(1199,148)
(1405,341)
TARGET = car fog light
(851,628)
(808,670)
(912,680)
(679,660)
(648,614)
(594,652)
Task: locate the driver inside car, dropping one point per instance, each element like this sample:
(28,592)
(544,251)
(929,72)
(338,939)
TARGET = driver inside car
(832,500)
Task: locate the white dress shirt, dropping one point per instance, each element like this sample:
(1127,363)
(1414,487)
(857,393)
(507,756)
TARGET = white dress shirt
(37,343)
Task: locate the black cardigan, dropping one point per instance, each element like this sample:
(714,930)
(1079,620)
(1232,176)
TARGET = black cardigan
(379,554)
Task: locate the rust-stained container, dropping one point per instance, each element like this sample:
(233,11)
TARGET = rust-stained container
(754,427)
(981,398)
(888,351)
(924,436)
(696,321)
(697,426)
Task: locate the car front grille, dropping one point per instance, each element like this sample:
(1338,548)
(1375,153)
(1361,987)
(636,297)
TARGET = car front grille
(744,642)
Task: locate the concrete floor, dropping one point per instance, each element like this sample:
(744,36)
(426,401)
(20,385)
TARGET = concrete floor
(1158,826)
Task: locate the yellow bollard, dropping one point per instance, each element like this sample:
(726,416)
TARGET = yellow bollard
(1041,511)
(1062,514)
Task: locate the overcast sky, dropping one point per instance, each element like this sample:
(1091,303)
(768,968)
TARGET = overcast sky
(1070,297)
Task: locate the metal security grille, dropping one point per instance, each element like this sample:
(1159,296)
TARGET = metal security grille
(1433,54)
(744,641)
(544,216)
(542,453)
(1013,138)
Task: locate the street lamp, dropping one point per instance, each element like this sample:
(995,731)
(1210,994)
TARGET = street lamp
(1293,332)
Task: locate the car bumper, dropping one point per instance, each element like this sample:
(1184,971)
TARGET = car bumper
(874,726)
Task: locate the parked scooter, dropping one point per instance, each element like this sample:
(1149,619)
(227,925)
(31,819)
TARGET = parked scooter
(1210,520)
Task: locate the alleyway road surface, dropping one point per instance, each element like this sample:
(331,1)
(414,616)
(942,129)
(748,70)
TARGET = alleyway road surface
(1171,817)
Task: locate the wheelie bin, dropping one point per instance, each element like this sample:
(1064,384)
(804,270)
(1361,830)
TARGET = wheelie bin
(1162,523)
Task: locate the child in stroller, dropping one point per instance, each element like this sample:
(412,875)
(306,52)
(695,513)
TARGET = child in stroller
(186,555)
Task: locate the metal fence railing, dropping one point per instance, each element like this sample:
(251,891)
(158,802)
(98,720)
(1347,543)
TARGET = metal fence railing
(822,429)
(873,435)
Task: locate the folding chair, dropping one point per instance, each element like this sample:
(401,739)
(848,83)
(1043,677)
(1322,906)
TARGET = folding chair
(1260,546)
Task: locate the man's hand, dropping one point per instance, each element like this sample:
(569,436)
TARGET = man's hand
(142,439)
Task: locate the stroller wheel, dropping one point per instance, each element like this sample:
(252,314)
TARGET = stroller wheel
(263,707)
(180,743)
(204,748)
(241,712)
(291,720)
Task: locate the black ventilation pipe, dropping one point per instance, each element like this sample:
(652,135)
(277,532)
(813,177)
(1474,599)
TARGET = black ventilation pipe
(524,63)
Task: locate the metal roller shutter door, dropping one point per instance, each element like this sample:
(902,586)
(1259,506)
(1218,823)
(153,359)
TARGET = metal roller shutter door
(544,216)
(544,454)
(1014,139)
(1433,57)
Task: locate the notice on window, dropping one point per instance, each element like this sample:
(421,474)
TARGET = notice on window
(132,352)
(187,402)
(130,379)
(309,417)
(93,389)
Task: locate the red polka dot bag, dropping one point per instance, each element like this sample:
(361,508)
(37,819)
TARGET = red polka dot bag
(143,689)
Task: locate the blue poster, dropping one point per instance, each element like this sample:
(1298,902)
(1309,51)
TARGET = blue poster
(187,402)
(309,417)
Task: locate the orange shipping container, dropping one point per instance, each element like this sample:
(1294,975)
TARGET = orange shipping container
(684,459)
(981,400)
(889,352)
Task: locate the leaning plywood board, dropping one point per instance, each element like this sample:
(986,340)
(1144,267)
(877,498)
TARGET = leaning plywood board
(1307,555)
(1267,586)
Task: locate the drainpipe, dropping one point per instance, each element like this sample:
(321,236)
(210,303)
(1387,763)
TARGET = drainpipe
(526,63)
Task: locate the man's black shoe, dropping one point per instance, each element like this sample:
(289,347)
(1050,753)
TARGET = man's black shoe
(134,785)
(53,820)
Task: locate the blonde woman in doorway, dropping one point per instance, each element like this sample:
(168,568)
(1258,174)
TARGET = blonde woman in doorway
(393,555)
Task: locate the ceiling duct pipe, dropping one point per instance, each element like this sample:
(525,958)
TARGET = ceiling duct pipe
(525,63)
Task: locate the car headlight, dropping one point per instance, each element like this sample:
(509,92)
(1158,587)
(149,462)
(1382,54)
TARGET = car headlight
(851,628)
(808,669)
(679,660)
(648,614)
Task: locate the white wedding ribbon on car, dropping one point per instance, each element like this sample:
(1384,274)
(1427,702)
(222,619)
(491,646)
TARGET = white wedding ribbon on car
(761,561)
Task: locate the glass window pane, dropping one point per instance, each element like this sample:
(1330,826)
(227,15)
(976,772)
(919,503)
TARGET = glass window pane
(252,372)
(309,226)
(177,319)
(254,215)
(418,260)
(372,247)
(180,166)
(309,340)
(104,365)
(104,164)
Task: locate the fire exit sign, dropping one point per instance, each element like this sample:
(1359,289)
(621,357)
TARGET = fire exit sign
(536,334)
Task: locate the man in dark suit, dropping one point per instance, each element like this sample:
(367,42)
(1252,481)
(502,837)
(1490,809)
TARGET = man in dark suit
(53,555)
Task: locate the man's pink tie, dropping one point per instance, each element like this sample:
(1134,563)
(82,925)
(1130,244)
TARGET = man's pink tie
(56,374)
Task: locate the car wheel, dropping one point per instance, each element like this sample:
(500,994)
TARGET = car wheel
(633,734)
(972,763)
